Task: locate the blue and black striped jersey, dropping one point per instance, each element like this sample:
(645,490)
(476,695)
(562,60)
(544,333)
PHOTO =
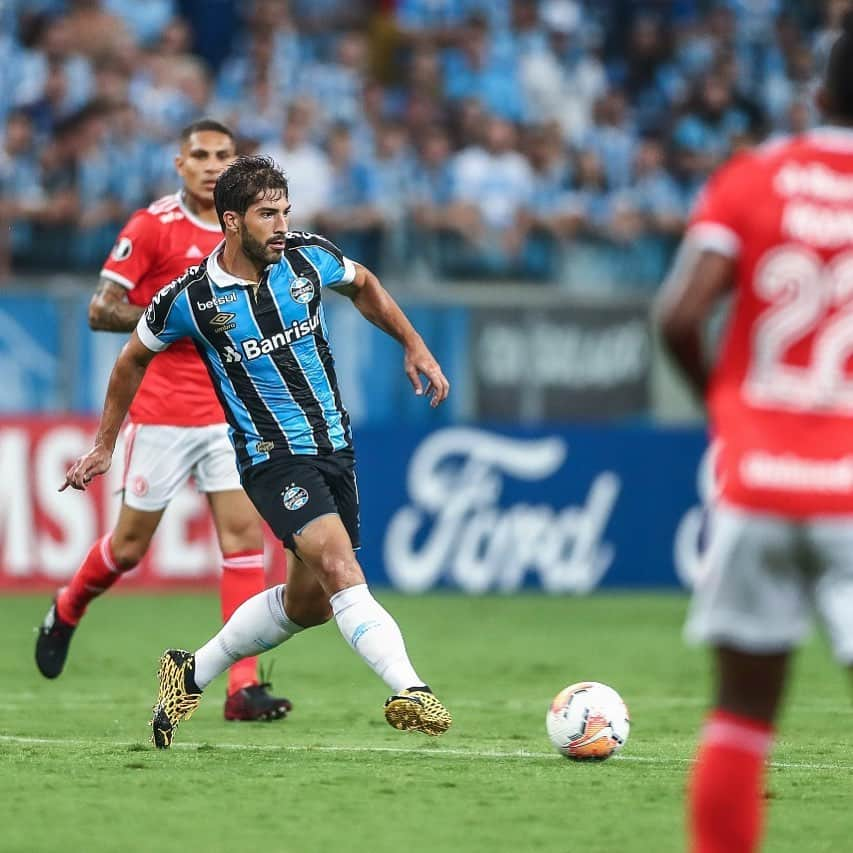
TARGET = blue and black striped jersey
(266,348)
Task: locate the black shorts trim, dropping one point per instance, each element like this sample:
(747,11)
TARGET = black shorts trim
(291,491)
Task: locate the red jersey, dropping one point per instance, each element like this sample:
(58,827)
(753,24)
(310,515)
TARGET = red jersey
(156,246)
(781,394)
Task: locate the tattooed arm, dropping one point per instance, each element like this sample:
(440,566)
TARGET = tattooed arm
(109,310)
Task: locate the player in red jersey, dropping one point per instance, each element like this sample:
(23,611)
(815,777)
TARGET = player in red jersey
(775,227)
(176,425)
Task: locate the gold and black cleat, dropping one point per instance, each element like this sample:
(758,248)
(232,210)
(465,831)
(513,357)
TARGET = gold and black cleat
(177,695)
(417,710)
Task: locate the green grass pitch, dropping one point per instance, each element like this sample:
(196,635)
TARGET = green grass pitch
(77,772)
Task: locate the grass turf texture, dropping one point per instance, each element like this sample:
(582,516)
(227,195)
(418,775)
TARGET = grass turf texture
(77,773)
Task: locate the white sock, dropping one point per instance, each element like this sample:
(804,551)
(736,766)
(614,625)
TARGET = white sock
(257,625)
(372,632)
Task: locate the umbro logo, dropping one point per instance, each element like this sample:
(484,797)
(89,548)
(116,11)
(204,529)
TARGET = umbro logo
(194,252)
(223,321)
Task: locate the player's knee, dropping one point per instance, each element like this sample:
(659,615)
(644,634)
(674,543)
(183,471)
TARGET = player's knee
(339,569)
(245,535)
(127,551)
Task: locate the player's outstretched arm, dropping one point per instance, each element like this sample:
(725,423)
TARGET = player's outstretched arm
(378,306)
(125,379)
(109,310)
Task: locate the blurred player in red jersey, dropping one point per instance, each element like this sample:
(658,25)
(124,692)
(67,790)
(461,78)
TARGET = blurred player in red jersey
(176,426)
(775,227)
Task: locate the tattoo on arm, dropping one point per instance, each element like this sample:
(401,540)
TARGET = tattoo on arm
(109,310)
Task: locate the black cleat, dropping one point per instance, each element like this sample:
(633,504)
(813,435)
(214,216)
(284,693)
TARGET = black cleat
(54,638)
(254,703)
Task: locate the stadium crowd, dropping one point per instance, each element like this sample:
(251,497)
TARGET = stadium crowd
(547,140)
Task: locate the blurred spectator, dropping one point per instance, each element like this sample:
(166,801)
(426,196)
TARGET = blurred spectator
(337,85)
(655,191)
(492,187)
(550,218)
(712,123)
(352,219)
(52,71)
(475,70)
(318,20)
(429,198)
(830,30)
(53,234)
(420,97)
(98,187)
(215,27)
(562,81)
(92,29)
(441,22)
(306,165)
(393,168)
(525,35)
(613,138)
(646,75)
(52,106)
(796,82)
(648,96)
(139,163)
(146,20)
(21,194)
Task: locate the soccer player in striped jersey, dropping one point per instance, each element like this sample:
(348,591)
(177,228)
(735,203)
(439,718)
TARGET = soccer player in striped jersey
(254,311)
(176,427)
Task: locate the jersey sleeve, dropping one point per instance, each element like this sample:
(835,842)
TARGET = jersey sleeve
(166,319)
(134,252)
(333,267)
(717,221)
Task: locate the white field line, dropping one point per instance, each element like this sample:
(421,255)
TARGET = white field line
(14,699)
(437,752)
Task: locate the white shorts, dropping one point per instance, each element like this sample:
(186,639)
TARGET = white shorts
(158,460)
(764,577)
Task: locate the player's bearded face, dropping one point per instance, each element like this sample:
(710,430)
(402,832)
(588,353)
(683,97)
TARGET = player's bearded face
(261,248)
(263,230)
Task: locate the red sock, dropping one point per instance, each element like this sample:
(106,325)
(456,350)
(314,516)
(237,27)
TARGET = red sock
(95,576)
(242,577)
(726,789)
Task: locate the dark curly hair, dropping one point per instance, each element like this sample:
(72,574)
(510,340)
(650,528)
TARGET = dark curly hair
(239,185)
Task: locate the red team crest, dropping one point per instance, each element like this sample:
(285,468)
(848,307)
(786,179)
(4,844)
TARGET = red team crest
(781,397)
(151,251)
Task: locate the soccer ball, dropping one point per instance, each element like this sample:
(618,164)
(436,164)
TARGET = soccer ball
(588,721)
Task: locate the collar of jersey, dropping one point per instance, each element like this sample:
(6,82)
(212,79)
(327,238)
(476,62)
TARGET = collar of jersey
(219,276)
(832,136)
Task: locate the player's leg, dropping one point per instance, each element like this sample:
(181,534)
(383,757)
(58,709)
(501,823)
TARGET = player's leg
(157,463)
(753,607)
(238,528)
(241,541)
(726,788)
(108,559)
(259,624)
(833,586)
(264,621)
(326,543)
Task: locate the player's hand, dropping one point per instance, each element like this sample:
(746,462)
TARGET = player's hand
(419,361)
(97,461)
